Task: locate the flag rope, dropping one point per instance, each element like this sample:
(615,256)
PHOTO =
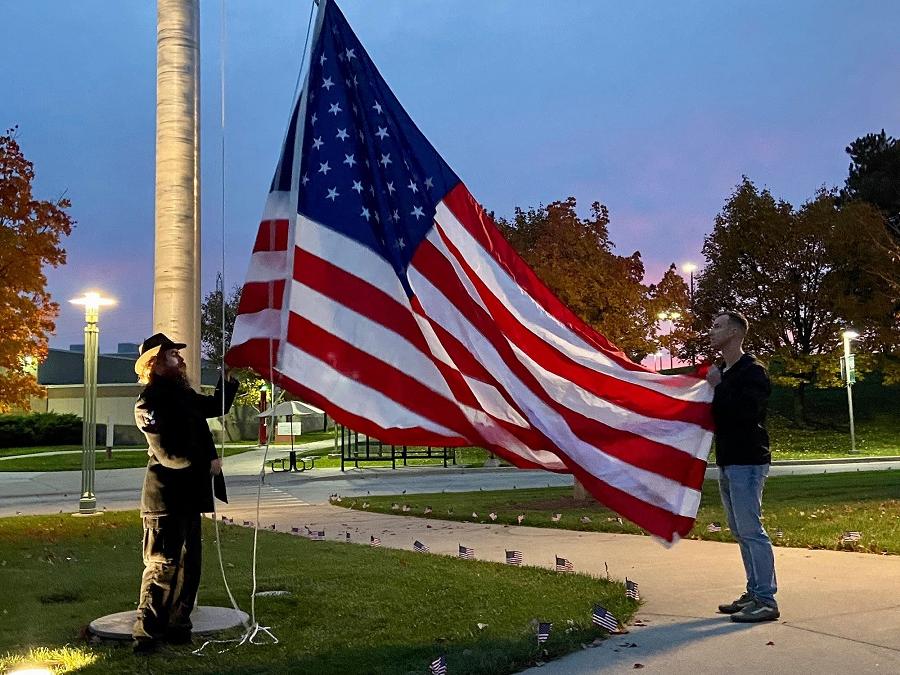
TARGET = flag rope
(252,628)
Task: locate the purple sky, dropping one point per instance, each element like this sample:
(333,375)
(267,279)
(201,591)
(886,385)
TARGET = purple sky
(655,109)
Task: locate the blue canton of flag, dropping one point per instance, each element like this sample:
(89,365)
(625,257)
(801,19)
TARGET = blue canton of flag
(438,666)
(603,618)
(367,171)
(543,632)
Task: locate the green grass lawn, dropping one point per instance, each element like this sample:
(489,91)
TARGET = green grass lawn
(879,435)
(351,608)
(121,459)
(812,511)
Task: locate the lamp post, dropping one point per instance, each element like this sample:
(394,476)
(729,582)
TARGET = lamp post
(689,268)
(671,317)
(92,303)
(263,390)
(848,370)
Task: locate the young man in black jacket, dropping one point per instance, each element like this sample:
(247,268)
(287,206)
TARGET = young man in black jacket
(741,396)
(182,472)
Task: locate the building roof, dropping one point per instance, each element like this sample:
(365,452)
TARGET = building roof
(67,367)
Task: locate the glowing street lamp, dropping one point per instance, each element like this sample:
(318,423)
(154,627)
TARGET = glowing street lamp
(848,371)
(92,303)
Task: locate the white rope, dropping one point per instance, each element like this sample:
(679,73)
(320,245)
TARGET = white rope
(253,631)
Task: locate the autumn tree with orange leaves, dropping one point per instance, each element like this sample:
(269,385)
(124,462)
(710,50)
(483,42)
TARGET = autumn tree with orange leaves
(31,232)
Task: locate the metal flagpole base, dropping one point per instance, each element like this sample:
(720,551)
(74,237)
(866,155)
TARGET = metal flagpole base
(206,620)
(87,506)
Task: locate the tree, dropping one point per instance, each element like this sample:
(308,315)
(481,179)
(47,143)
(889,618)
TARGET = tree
(573,256)
(31,232)
(671,296)
(801,276)
(874,176)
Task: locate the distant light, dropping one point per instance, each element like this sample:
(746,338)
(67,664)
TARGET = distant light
(850,334)
(689,268)
(32,670)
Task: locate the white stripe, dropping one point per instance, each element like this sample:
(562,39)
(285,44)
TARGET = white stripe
(369,336)
(351,395)
(265,323)
(348,254)
(278,207)
(268,266)
(685,436)
(494,433)
(547,327)
(640,483)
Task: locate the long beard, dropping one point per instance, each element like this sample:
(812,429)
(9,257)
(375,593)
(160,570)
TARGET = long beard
(176,376)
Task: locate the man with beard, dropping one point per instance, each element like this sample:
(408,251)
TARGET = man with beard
(183,472)
(739,404)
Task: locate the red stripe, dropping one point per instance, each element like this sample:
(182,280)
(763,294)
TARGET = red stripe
(254,353)
(482,228)
(629,447)
(370,371)
(259,295)
(271,236)
(634,397)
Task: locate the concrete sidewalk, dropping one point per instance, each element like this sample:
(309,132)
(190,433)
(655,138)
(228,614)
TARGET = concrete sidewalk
(840,610)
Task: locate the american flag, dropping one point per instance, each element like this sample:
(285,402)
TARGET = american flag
(779,533)
(374,541)
(564,565)
(347,537)
(466,553)
(438,666)
(853,535)
(631,589)
(602,617)
(419,547)
(427,510)
(556,517)
(380,291)
(543,632)
(714,527)
(317,535)
(248,523)
(514,557)
(492,515)
(295,530)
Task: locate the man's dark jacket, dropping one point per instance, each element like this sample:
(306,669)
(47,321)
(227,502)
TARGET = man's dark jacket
(181,447)
(739,412)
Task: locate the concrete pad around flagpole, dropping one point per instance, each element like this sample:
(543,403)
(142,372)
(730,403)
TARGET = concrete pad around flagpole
(206,620)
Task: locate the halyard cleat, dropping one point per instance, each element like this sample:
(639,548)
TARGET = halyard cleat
(756,612)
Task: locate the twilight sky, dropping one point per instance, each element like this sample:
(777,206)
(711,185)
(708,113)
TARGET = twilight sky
(655,109)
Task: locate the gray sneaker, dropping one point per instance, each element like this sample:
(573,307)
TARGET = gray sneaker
(756,612)
(737,605)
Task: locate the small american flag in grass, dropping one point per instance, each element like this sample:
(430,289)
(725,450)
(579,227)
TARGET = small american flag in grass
(428,510)
(851,536)
(347,537)
(374,541)
(419,547)
(295,530)
(603,618)
(714,527)
(520,518)
(564,565)
(631,589)
(514,557)
(248,523)
(406,508)
(438,666)
(492,515)
(779,533)
(272,527)
(556,517)
(466,553)
(317,535)
(543,631)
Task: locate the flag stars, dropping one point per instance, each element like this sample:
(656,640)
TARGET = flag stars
(385,160)
(317,143)
(327,84)
(395,216)
(334,109)
(401,244)
(412,186)
(332,194)
(349,160)
(362,136)
(417,212)
(429,183)
(382,132)
(377,107)
(391,188)
(305,179)
(350,53)
(314,118)
(365,214)
(357,185)
(342,134)
(324,168)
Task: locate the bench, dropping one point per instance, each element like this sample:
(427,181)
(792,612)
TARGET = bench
(372,450)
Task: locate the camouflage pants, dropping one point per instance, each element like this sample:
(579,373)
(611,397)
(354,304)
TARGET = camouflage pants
(172,565)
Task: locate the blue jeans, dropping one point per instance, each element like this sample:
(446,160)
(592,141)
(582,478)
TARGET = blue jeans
(741,487)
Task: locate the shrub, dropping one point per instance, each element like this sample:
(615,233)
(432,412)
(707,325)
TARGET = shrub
(39,429)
